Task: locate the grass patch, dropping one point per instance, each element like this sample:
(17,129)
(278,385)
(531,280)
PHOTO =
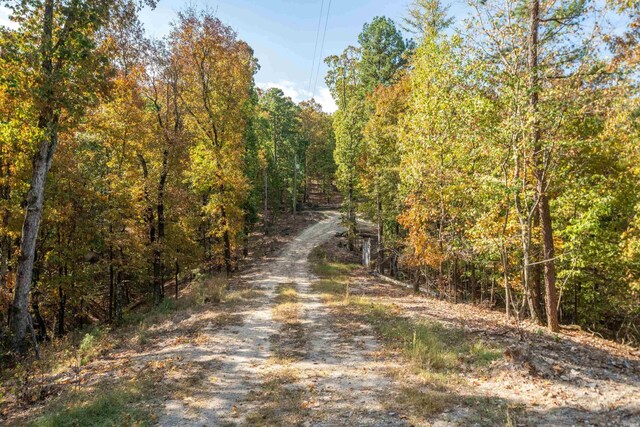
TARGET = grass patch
(436,352)
(117,405)
(289,344)
(325,267)
(425,403)
(429,345)
(241,295)
(279,402)
(287,308)
(286,293)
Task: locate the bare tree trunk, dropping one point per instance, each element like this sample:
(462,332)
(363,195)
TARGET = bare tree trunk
(62,299)
(305,197)
(551,302)
(380,254)
(42,326)
(265,179)
(527,268)
(149,219)
(177,272)
(5,249)
(351,233)
(295,183)
(5,240)
(119,297)
(158,248)
(226,241)
(537,276)
(112,283)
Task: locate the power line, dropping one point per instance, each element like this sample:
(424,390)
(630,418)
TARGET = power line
(315,49)
(326,22)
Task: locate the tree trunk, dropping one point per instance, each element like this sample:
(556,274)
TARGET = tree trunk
(112,279)
(42,327)
(177,272)
(149,219)
(548,250)
(305,196)
(351,232)
(119,298)
(5,240)
(265,219)
(380,254)
(226,241)
(62,299)
(48,122)
(527,269)
(158,247)
(5,249)
(551,301)
(295,184)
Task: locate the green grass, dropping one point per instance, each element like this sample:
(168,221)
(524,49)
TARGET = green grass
(437,353)
(429,345)
(280,402)
(119,405)
(79,348)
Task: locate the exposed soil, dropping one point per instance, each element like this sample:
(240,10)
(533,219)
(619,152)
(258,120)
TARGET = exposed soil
(573,378)
(312,364)
(334,381)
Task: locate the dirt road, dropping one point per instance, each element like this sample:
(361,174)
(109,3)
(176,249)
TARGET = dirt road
(334,380)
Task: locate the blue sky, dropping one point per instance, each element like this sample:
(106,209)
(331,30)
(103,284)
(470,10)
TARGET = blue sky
(283,34)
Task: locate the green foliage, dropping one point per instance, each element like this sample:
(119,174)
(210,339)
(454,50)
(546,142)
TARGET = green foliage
(117,406)
(456,156)
(382,53)
(430,346)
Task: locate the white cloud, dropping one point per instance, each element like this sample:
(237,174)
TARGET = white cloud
(4,18)
(298,94)
(325,99)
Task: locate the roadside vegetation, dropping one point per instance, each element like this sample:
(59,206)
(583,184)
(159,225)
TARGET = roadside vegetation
(436,355)
(75,382)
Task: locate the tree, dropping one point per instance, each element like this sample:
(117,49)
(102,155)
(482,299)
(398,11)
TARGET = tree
(61,42)
(216,78)
(319,140)
(352,76)
(284,145)
(427,18)
(382,51)
(379,170)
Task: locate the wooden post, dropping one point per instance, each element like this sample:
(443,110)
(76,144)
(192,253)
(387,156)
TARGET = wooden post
(366,252)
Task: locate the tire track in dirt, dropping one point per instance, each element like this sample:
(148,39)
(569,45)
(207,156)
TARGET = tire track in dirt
(340,380)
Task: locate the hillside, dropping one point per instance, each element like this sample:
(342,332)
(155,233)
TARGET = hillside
(306,337)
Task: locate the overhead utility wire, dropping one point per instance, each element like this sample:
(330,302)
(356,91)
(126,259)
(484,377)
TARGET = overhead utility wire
(315,49)
(326,22)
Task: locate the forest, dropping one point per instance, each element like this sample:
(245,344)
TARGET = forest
(497,159)
(155,198)
(128,162)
